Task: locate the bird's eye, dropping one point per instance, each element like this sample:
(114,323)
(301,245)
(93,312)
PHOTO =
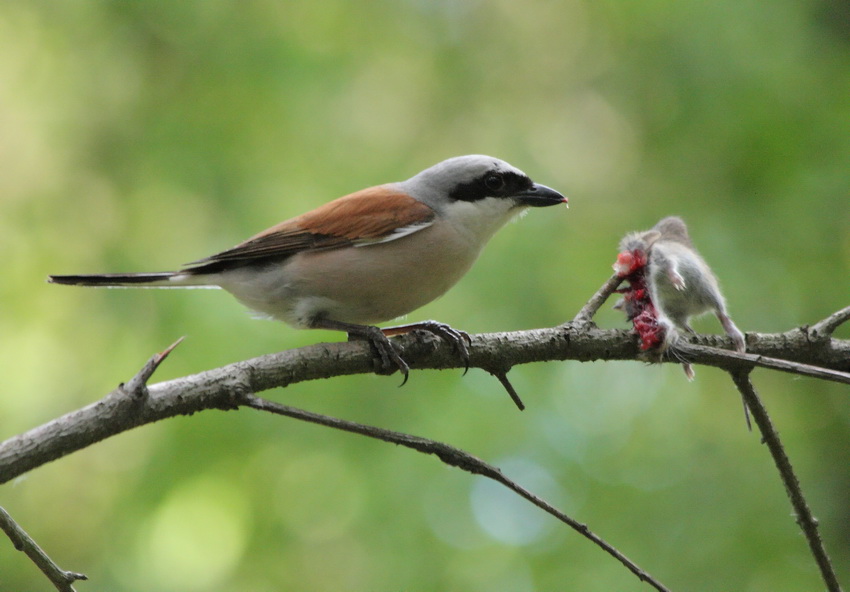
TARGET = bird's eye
(494,182)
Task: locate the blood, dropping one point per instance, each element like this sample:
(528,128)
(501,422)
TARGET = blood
(637,304)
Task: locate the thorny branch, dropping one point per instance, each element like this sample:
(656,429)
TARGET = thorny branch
(807,522)
(216,388)
(808,350)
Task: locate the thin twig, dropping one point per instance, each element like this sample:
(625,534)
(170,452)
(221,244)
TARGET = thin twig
(503,379)
(807,522)
(454,457)
(585,315)
(116,413)
(714,356)
(61,579)
(825,328)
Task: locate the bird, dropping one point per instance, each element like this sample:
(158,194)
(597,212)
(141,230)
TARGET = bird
(365,258)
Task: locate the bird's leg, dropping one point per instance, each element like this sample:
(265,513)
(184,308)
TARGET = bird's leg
(458,339)
(374,335)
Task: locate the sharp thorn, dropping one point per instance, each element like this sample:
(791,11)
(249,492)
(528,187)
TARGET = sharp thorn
(503,378)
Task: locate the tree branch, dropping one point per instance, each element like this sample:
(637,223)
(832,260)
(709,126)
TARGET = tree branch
(732,360)
(809,351)
(807,522)
(456,458)
(61,579)
(221,388)
(827,327)
(585,315)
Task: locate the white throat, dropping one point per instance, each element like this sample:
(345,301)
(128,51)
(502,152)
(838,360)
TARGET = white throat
(481,218)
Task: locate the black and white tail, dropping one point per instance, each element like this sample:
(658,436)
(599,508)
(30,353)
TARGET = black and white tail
(164,279)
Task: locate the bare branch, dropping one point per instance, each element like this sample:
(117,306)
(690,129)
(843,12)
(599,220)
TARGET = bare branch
(825,328)
(117,412)
(221,388)
(585,315)
(724,358)
(803,351)
(61,579)
(456,458)
(807,522)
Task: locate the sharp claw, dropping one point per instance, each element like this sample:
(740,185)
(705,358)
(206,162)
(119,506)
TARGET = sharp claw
(404,380)
(464,354)
(455,336)
(458,339)
(390,359)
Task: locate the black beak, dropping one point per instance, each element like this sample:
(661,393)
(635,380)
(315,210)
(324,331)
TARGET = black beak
(538,196)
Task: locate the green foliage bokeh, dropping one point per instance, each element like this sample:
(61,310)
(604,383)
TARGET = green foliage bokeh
(136,136)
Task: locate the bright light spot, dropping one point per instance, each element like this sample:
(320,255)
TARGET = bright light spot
(450,521)
(509,518)
(319,497)
(196,537)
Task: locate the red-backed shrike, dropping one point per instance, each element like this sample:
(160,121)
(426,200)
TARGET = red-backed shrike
(367,257)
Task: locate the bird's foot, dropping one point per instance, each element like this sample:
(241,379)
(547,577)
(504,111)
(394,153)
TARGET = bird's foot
(458,339)
(390,359)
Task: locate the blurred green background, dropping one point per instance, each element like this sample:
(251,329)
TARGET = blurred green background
(136,136)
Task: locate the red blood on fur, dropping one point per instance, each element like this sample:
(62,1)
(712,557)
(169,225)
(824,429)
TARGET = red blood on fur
(631,266)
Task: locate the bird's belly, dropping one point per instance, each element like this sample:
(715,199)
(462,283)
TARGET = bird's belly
(363,285)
